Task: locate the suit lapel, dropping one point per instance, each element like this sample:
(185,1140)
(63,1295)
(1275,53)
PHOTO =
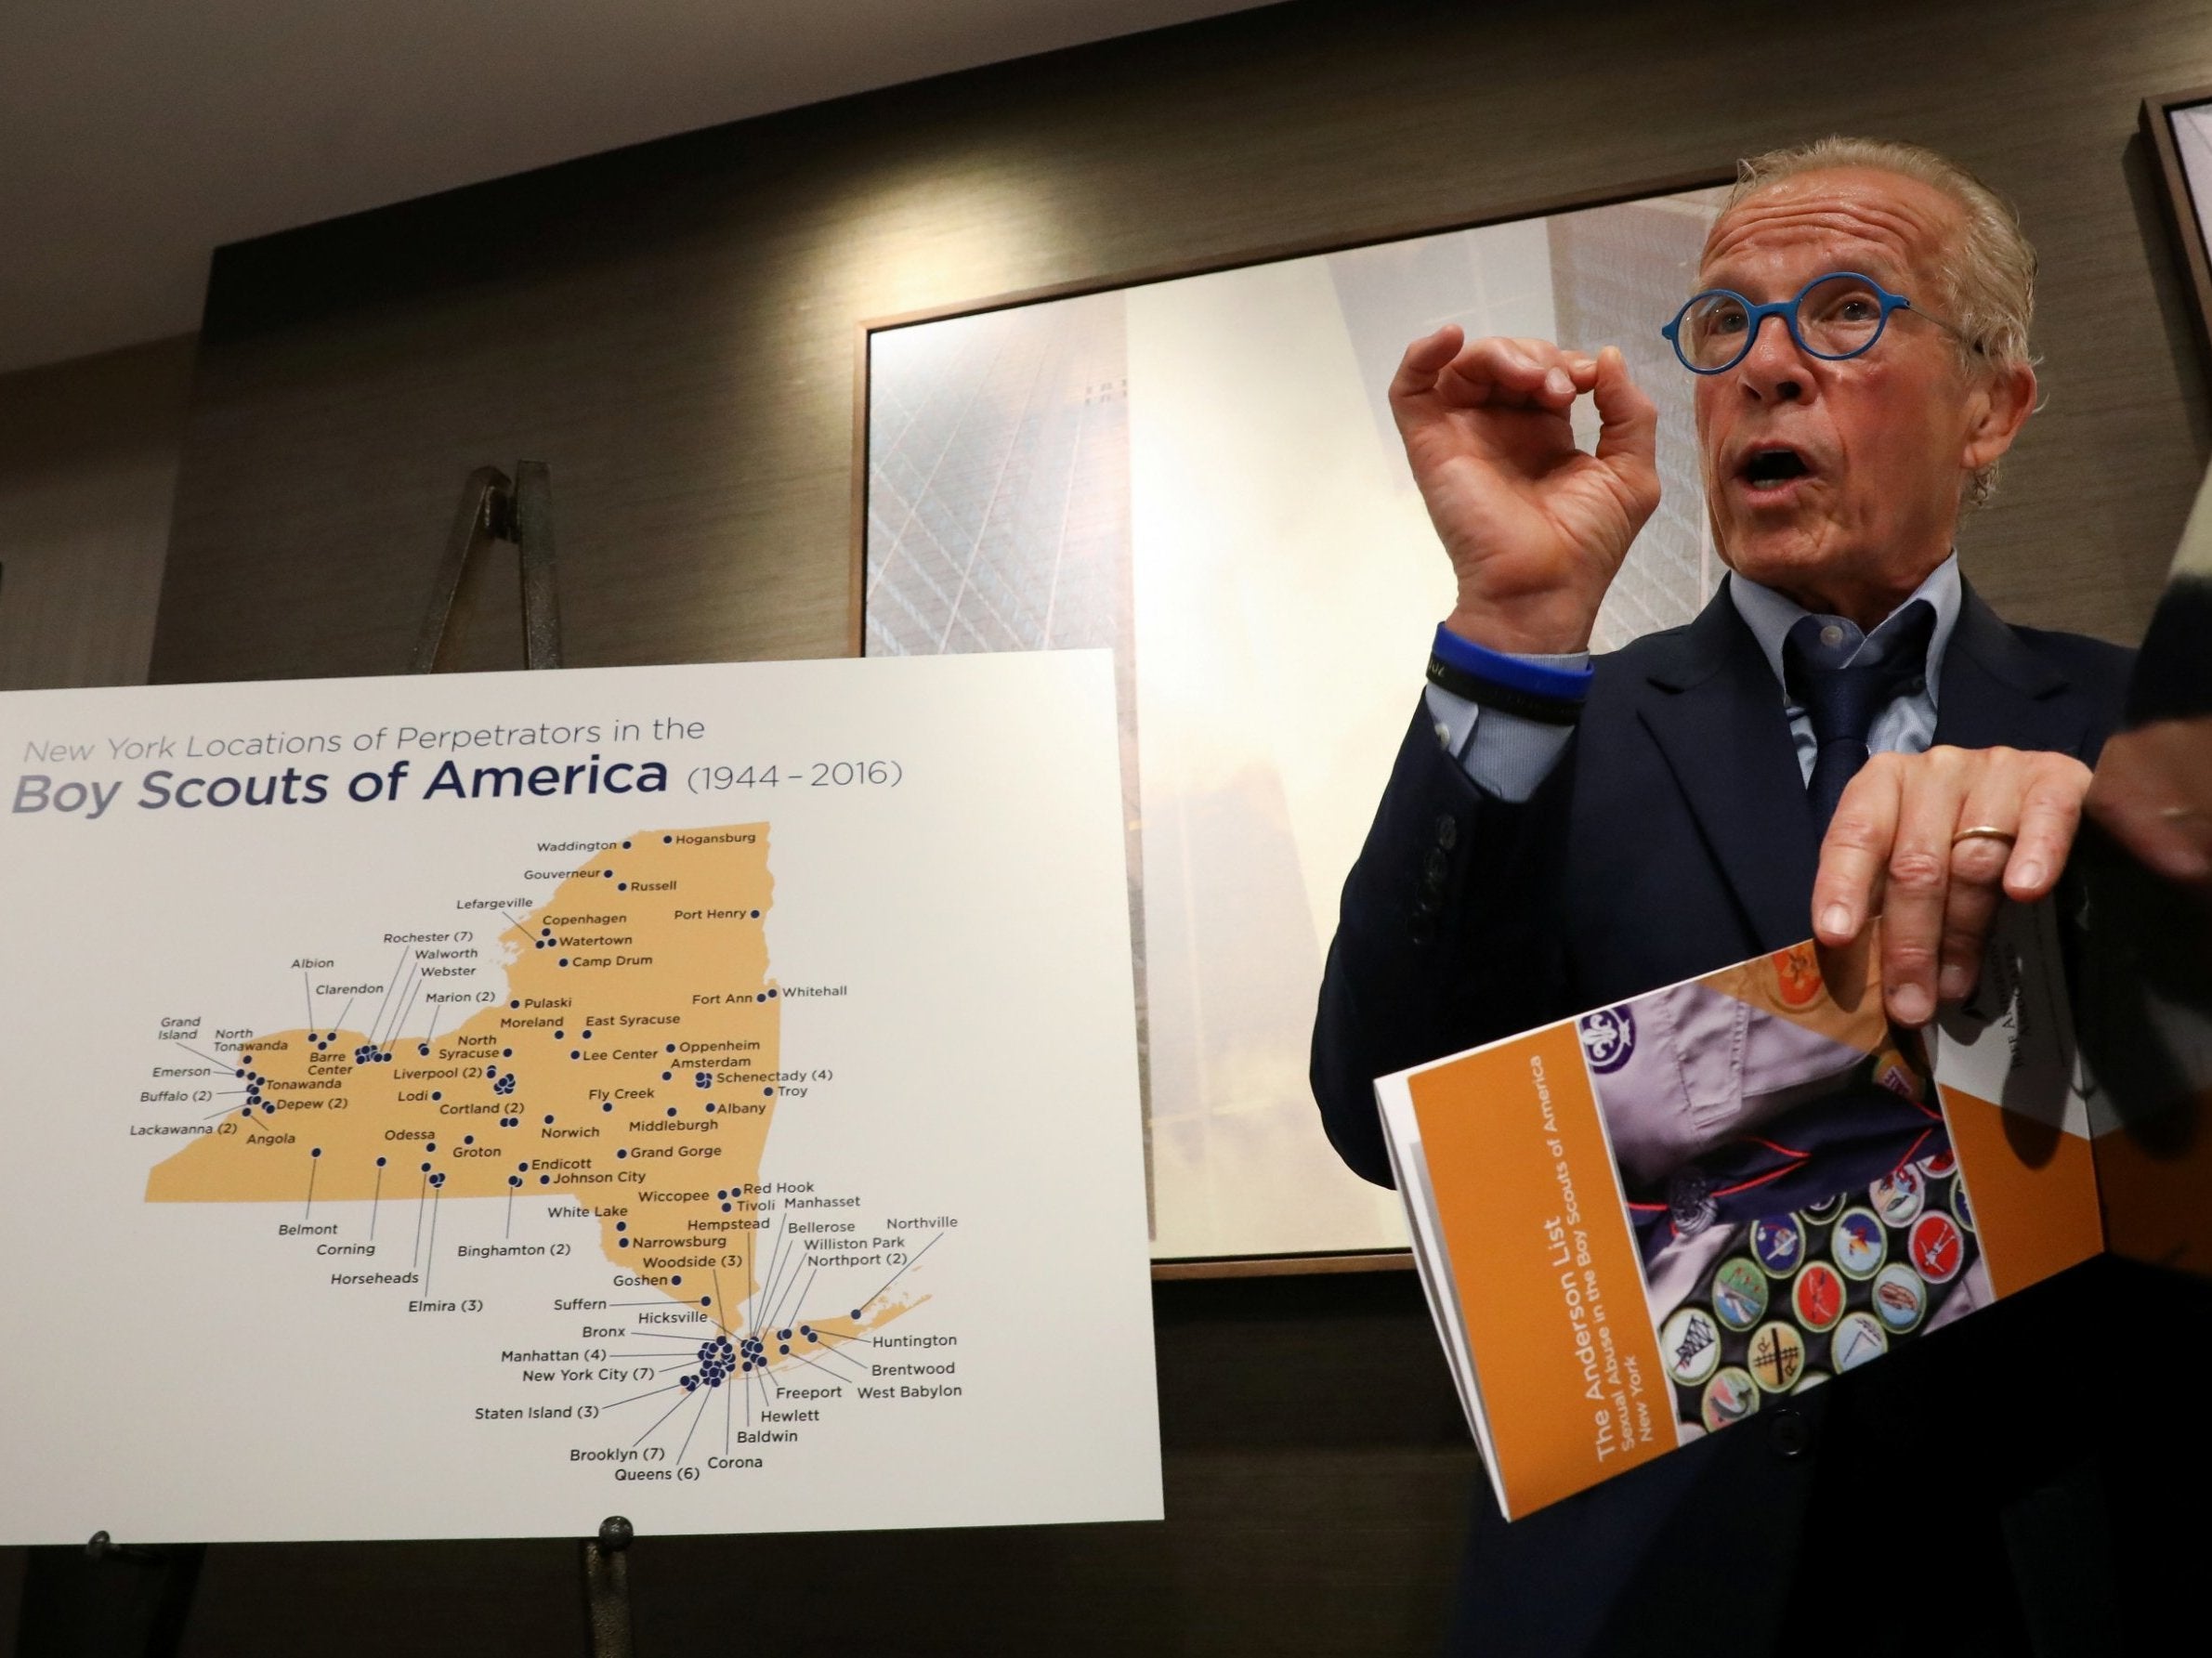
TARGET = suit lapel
(1995,692)
(1715,711)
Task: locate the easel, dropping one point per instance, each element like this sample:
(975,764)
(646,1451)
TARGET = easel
(111,1600)
(496,508)
(493,508)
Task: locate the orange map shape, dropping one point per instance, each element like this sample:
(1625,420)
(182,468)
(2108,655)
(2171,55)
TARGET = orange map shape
(640,1027)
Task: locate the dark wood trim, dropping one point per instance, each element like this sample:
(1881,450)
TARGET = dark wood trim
(1283,1266)
(2184,215)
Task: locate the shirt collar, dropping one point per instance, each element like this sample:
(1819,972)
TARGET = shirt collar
(1770,617)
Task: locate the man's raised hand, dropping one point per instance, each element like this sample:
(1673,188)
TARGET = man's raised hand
(1535,527)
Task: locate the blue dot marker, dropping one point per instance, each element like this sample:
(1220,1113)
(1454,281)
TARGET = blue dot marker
(380,1162)
(316,1152)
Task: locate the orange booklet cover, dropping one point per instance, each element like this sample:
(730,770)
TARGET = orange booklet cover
(1650,1222)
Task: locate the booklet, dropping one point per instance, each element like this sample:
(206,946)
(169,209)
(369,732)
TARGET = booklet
(1653,1222)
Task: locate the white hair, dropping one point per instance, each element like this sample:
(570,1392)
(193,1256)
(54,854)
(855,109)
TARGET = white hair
(1989,275)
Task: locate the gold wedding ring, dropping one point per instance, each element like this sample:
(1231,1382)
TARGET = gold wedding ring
(1984,831)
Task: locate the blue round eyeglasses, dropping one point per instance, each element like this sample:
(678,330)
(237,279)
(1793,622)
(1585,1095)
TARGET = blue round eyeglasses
(1833,317)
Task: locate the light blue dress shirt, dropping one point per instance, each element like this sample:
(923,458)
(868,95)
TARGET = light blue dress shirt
(1507,756)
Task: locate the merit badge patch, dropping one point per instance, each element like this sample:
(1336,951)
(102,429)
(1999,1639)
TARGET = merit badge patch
(1859,1338)
(1739,1293)
(1813,1380)
(1900,1298)
(1938,1166)
(1817,1297)
(1893,1073)
(1776,1356)
(1797,976)
(1824,1210)
(1729,1397)
(1959,1207)
(1858,1244)
(1608,1038)
(1779,1241)
(1690,1345)
(1898,1198)
(1938,1247)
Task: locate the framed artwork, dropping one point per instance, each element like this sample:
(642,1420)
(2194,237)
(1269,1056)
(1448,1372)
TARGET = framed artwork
(2178,129)
(1199,469)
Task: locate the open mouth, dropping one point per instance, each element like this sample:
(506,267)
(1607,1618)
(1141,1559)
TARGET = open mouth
(1772,467)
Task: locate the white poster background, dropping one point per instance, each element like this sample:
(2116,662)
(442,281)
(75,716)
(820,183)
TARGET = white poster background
(173,1371)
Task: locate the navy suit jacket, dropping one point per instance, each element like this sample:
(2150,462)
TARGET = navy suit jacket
(1674,837)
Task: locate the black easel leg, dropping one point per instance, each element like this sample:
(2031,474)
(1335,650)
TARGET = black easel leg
(606,1589)
(105,1601)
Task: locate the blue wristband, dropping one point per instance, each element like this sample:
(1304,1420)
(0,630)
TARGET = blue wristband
(1510,673)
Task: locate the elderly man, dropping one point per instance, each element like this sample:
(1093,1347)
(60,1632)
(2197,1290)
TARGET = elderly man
(1846,729)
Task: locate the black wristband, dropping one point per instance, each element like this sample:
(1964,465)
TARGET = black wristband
(1526,705)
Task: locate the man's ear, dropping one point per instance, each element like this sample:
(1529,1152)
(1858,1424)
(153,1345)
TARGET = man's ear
(2002,402)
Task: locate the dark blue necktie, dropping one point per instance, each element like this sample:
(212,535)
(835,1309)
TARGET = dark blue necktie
(1842,702)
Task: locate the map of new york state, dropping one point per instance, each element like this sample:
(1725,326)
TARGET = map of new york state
(629,1070)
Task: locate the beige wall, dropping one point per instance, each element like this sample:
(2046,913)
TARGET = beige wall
(89,459)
